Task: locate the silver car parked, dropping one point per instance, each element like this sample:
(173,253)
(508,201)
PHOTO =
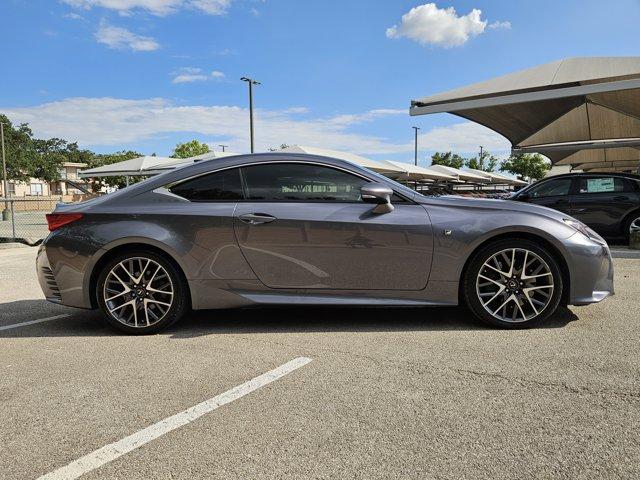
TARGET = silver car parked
(307,230)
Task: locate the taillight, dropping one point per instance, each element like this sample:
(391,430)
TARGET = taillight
(57,220)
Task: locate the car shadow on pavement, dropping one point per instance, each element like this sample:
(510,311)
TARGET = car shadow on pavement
(339,319)
(256,320)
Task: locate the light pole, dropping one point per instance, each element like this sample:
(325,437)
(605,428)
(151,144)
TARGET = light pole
(223,147)
(481,158)
(415,145)
(251,83)
(5,189)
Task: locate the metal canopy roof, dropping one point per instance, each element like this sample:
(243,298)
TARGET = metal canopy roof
(578,111)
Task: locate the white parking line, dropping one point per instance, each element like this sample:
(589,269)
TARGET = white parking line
(110,452)
(33,322)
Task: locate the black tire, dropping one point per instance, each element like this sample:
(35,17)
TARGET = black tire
(179,304)
(471,289)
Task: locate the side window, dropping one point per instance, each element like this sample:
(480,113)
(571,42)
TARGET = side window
(300,182)
(214,187)
(601,185)
(551,188)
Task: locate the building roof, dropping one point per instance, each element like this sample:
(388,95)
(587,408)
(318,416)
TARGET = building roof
(559,109)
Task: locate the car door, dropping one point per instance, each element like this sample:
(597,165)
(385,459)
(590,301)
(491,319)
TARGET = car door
(204,225)
(305,226)
(553,193)
(602,202)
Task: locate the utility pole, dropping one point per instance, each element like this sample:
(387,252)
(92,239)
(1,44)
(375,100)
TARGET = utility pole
(223,147)
(251,83)
(5,188)
(415,145)
(481,158)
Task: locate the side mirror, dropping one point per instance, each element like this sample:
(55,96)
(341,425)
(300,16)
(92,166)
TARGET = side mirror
(523,197)
(379,195)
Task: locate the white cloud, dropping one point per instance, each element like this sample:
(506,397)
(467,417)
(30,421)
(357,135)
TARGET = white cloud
(428,24)
(116,122)
(191,74)
(122,39)
(73,16)
(463,137)
(189,78)
(155,7)
(506,25)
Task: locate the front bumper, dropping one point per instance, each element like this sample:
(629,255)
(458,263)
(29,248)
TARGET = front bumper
(590,268)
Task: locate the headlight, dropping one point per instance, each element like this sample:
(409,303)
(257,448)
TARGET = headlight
(583,229)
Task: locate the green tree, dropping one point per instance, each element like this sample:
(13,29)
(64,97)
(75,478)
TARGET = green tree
(489,162)
(29,157)
(526,166)
(98,160)
(190,149)
(447,159)
(19,150)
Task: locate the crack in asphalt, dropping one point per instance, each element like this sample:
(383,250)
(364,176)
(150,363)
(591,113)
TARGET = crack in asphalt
(419,368)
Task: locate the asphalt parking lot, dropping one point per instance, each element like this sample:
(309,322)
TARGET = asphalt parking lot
(387,393)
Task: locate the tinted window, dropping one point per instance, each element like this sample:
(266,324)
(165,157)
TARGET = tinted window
(299,182)
(601,185)
(218,186)
(551,188)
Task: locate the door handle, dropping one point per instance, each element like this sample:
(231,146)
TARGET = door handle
(256,218)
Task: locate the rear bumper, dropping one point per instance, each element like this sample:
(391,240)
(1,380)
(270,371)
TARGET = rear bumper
(61,275)
(591,270)
(46,278)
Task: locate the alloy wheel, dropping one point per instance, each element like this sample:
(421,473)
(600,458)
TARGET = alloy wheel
(138,292)
(515,285)
(634,226)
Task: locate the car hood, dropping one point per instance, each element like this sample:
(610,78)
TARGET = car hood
(492,204)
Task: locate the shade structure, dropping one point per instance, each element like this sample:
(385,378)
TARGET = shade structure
(497,178)
(575,111)
(181,162)
(380,167)
(417,173)
(146,165)
(461,175)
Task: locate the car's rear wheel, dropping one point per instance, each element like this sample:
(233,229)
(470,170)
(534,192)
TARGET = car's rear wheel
(141,292)
(513,283)
(632,225)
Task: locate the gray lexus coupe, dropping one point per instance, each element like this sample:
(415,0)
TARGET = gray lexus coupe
(291,229)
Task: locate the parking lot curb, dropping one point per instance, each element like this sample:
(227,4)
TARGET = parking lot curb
(622,252)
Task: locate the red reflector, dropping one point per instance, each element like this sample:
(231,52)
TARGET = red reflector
(57,220)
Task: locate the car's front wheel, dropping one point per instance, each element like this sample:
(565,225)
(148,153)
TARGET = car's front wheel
(141,292)
(513,283)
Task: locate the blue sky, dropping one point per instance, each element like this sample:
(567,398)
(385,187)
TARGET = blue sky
(146,74)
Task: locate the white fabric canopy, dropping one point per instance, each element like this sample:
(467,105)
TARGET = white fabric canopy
(380,167)
(461,175)
(147,165)
(498,178)
(413,172)
(135,166)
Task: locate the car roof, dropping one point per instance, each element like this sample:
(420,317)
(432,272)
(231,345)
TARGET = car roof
(206,166)
(632,176)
